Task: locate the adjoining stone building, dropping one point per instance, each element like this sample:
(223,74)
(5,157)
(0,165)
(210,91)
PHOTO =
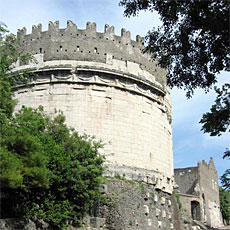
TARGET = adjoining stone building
(199,192)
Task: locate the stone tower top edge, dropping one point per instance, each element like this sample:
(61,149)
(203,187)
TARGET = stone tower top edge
(209,165)
(203,163)
(88,45)
(109,31)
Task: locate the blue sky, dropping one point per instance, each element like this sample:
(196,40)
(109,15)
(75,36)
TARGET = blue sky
(190,144)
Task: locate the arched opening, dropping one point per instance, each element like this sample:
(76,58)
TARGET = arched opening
(195,210)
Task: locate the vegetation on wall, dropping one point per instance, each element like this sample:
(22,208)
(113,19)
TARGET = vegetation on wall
(48,170)
(193,43)
(178,200)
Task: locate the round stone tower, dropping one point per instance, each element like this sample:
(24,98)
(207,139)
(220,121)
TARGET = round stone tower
(108,88)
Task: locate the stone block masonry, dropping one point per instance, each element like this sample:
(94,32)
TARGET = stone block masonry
(108,88)
(132,205)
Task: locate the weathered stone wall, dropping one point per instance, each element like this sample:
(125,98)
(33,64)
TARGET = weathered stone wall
(186,179)
(186,200)
(129,124)
(133,205)
(210,192)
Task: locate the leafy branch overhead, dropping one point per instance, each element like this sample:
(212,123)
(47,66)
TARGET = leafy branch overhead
(218,120)
(193,42)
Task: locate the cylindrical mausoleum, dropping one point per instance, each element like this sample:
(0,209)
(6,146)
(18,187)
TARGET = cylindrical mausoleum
(108,88)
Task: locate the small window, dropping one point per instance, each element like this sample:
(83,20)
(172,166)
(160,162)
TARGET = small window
(78,48)
(60,48)
(95,50)
(40,50)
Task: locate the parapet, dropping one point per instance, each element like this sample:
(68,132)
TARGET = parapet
(72,43)
(207,166)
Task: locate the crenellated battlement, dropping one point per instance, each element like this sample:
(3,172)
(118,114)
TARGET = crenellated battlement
(90,29)
(209,166)
(87,44)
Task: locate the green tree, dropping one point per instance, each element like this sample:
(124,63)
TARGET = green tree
(193,43)
(55,173)
(225,205)
(8,55)
(48,171)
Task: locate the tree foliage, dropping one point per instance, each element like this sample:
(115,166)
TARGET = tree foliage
(225,178)
(55,172)
(48,170)
(193,42)
(8,55)
(217,121)
(225,204)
